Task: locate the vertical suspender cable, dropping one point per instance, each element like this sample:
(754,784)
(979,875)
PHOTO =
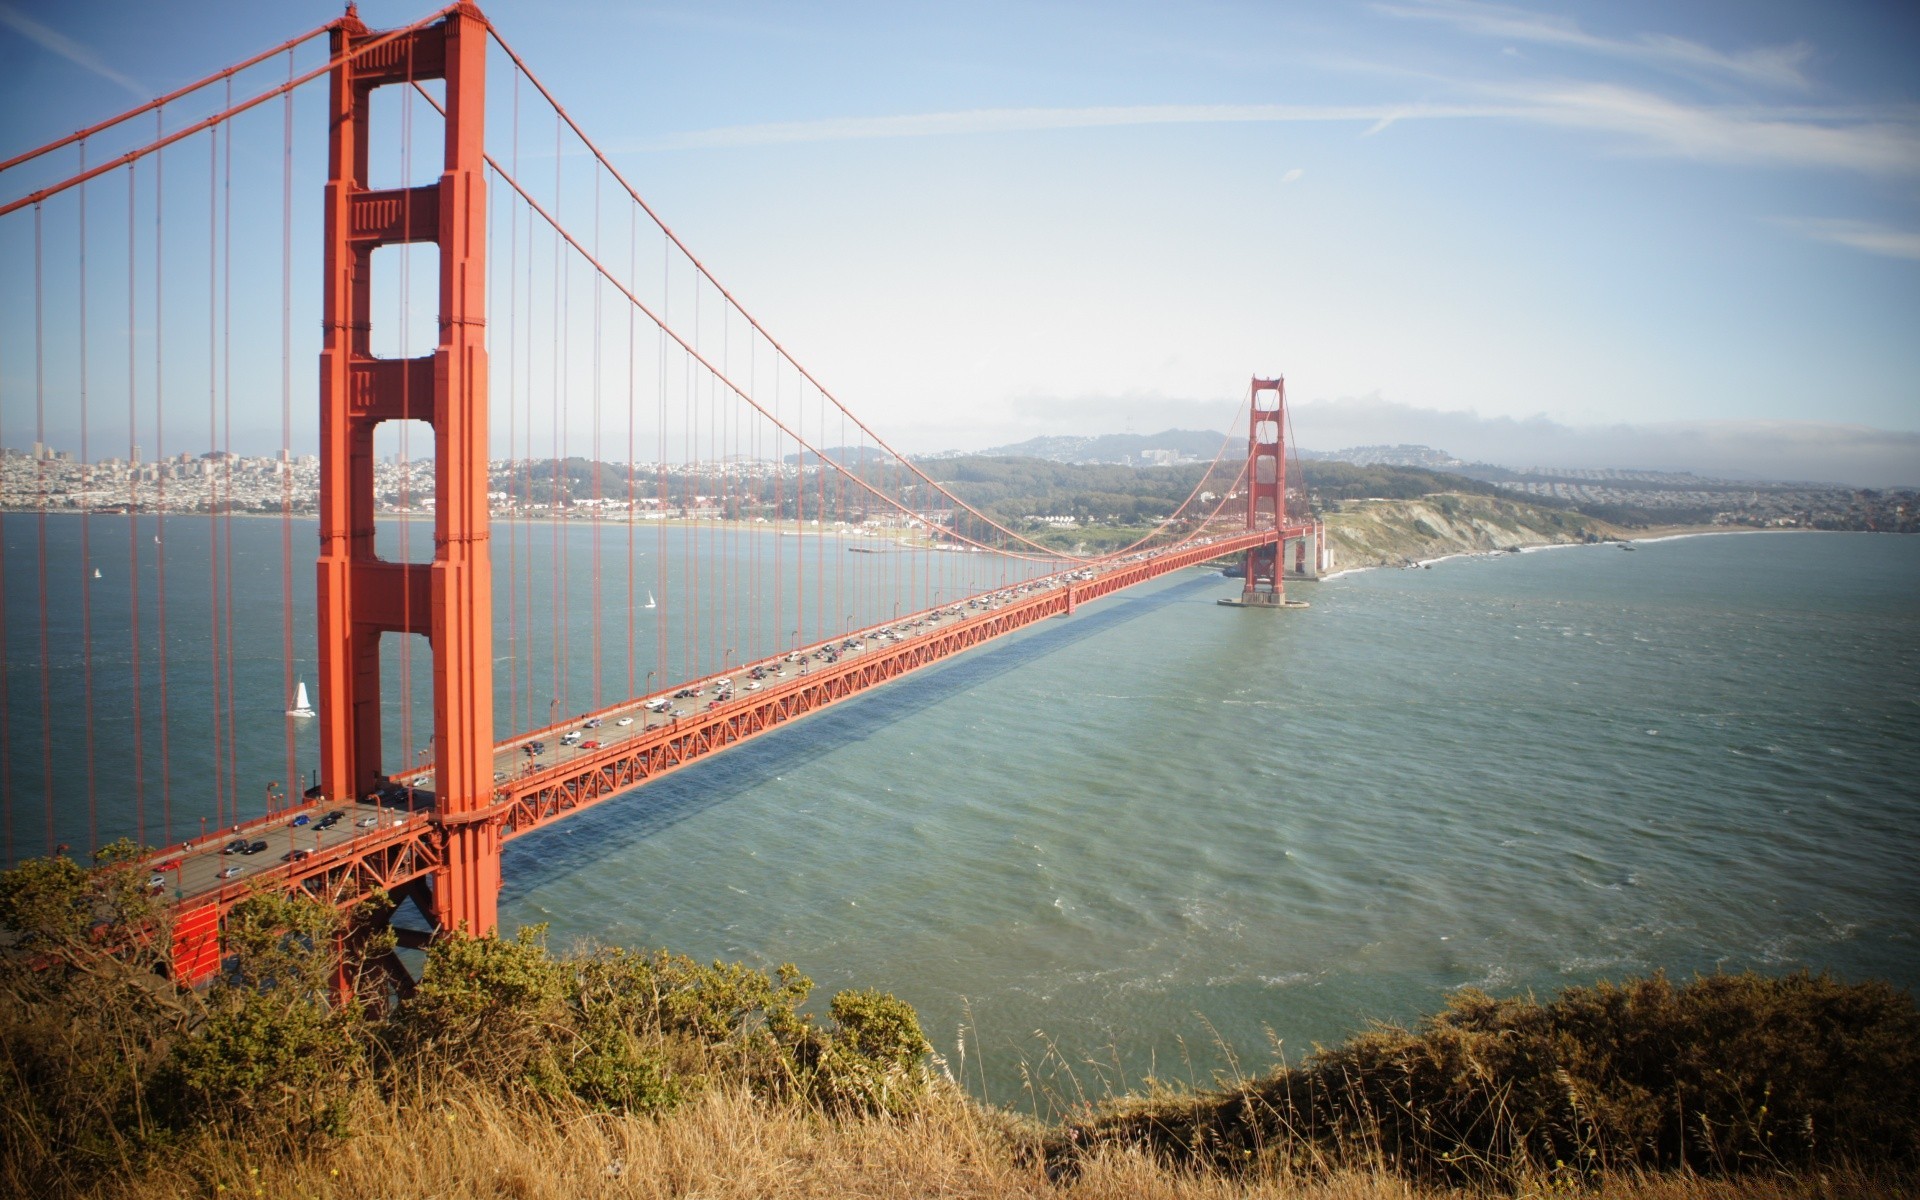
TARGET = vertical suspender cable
(513,548)
(633,277)
(689,543)
(226,448)
(40,483)
(86,530)
(660,662)
(286,426)
(594,466)
(749,508)
(526,477)
(556,399)
(779,519)
(213,519)
(513,380)
(133,518)
(840,517)
(160,502)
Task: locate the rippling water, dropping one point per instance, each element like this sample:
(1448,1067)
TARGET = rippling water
(1160,824)
(1161,820)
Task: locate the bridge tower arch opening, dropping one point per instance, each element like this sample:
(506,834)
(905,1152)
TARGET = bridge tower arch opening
(361,596)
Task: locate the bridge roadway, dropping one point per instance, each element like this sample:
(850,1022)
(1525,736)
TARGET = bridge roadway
(392,840)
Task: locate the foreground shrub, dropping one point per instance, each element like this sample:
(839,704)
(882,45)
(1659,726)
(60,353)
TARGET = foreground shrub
(1724,1074)
(874,1058)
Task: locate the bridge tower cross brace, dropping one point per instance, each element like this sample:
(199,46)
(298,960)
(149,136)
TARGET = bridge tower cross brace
(360,595)
(1266,491)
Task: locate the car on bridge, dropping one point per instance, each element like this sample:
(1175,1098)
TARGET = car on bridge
(253,847)
(230,872)
(366,822)
(295,855)
(300,820)
(236,846)
(330,820)
(590,744)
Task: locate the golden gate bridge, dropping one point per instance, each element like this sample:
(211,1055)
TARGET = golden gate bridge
(146,253)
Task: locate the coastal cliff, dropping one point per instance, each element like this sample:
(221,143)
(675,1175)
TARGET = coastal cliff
(1375,533)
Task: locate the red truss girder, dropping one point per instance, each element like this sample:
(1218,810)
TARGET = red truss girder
(385,859)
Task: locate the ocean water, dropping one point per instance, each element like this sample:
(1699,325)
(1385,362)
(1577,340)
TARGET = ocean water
(1164,837)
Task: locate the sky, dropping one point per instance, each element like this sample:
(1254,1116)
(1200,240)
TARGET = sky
(1577,234)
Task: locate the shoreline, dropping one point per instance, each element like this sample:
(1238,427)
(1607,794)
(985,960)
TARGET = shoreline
(1658,533)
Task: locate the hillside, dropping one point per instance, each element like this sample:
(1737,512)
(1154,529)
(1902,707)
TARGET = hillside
(512,1071)
(1379,532)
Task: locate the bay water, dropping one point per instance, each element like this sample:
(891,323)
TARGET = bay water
(1161,836)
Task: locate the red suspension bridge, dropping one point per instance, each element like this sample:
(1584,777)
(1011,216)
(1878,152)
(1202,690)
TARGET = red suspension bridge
(539,356)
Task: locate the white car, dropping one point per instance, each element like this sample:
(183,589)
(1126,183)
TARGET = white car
(366,822)
(624,721)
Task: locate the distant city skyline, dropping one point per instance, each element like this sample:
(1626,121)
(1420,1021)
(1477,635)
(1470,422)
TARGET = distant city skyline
(1618,235)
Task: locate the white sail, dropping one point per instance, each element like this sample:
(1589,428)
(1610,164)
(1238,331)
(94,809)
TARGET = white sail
(96,572)
(649,598)
(300,706)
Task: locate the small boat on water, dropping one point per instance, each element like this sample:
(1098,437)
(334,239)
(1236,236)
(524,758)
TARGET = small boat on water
(96,572)
(650,603)
(301,706)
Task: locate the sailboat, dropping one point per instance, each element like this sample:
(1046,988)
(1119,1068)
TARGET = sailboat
(650,599)
(96,572)
(300,706)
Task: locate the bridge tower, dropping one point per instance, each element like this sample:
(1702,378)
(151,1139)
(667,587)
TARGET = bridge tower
(1266,491)
(362,596)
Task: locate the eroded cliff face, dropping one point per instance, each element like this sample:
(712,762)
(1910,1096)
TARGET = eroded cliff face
(1371,533)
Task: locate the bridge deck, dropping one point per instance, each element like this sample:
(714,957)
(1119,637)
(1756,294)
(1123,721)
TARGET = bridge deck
(387,842)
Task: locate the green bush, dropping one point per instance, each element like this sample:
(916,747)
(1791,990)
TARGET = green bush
(1721,1075)
(874,1059)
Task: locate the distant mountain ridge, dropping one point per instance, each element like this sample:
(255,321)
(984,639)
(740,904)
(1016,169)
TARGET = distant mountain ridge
(1127,449)
(1171,446)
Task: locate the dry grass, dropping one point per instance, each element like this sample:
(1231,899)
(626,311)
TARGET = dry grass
(509,1072)
(729,1145)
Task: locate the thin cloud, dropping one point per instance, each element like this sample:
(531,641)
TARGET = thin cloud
(1749,136)
(58,43)
(1785,137)
(1025,120)
(1858,235)
(1776,66)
